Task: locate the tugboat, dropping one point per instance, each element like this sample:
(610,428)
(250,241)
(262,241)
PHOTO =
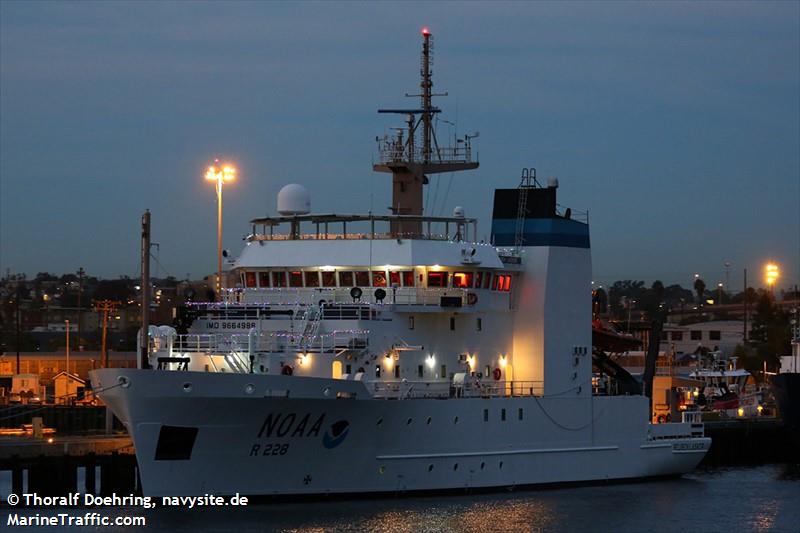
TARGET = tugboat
(384,353)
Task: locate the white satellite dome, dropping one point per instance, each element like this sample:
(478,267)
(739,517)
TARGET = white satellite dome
(294,199)
(552,182)
(458,212)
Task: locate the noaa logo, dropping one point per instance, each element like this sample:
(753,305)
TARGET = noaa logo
(336,434)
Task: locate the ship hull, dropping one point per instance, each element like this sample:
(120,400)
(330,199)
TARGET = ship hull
(198,433)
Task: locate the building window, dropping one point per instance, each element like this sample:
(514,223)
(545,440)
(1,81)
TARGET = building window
(394,278)
(452,323)
(419,371)
(345,279)
(664,336)
(696,335)
(503,415)
(519,413)
(478,279)
(437,279)
(677,335)
(714,335)
(485,415)
(329,279)
(397,370)
(263,279)
(279,279)
(348,368)
(479,324)
(377,371)
(411,322)
(444,371)
(408,278)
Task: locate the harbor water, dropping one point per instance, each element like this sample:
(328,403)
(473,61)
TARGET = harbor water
(741,499)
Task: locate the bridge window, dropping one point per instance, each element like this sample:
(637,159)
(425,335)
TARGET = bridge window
(379,278)
(345,279)
(478,279)
(329,279)
(408,278)
(437,279)
(279,279)
(263,279)
(487,280)
(312,279)
(462,280)
(362,278)
(502,283)
(295,279)
(249,279)
(394,278)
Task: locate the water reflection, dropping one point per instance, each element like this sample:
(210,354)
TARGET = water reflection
(720,500)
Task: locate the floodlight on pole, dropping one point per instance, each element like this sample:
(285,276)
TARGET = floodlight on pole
(220,173)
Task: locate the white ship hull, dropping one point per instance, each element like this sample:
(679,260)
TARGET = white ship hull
(251,438)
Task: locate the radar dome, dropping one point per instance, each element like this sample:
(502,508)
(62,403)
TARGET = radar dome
(294,199)
(458,212)
(552,182)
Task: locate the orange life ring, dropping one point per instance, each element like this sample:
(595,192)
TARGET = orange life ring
(472,298)
(497,374)
(286,370)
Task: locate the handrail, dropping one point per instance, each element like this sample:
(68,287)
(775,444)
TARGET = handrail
(446,389)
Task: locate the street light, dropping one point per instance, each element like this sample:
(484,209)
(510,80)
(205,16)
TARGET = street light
(771,273)
(220,173)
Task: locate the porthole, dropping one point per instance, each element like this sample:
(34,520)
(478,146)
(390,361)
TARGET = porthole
(483,465)
(382,469)
(455,420)
(430,468)
(501,465)
(408,422)
(428,421)
(455,467)
(187,387)
(380,421)
(249,388)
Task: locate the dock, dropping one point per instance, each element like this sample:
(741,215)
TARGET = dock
(53,466)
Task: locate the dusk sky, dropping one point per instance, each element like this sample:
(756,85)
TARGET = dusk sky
(677,125)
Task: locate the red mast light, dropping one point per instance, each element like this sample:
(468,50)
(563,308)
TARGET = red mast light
(426,31)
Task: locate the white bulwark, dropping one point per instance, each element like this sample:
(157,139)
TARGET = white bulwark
(390,353)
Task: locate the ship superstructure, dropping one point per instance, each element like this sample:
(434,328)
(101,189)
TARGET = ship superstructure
(383,353)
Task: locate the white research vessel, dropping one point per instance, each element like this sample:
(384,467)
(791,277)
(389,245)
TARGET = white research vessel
(389,353)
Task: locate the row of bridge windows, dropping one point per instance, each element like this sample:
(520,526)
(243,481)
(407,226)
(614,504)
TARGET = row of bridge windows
(376,278)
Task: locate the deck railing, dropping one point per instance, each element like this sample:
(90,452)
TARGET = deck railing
(398,390)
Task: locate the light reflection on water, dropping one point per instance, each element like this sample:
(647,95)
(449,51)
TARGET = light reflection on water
(721,500)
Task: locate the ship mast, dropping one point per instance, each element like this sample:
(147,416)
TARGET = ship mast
(409,163)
